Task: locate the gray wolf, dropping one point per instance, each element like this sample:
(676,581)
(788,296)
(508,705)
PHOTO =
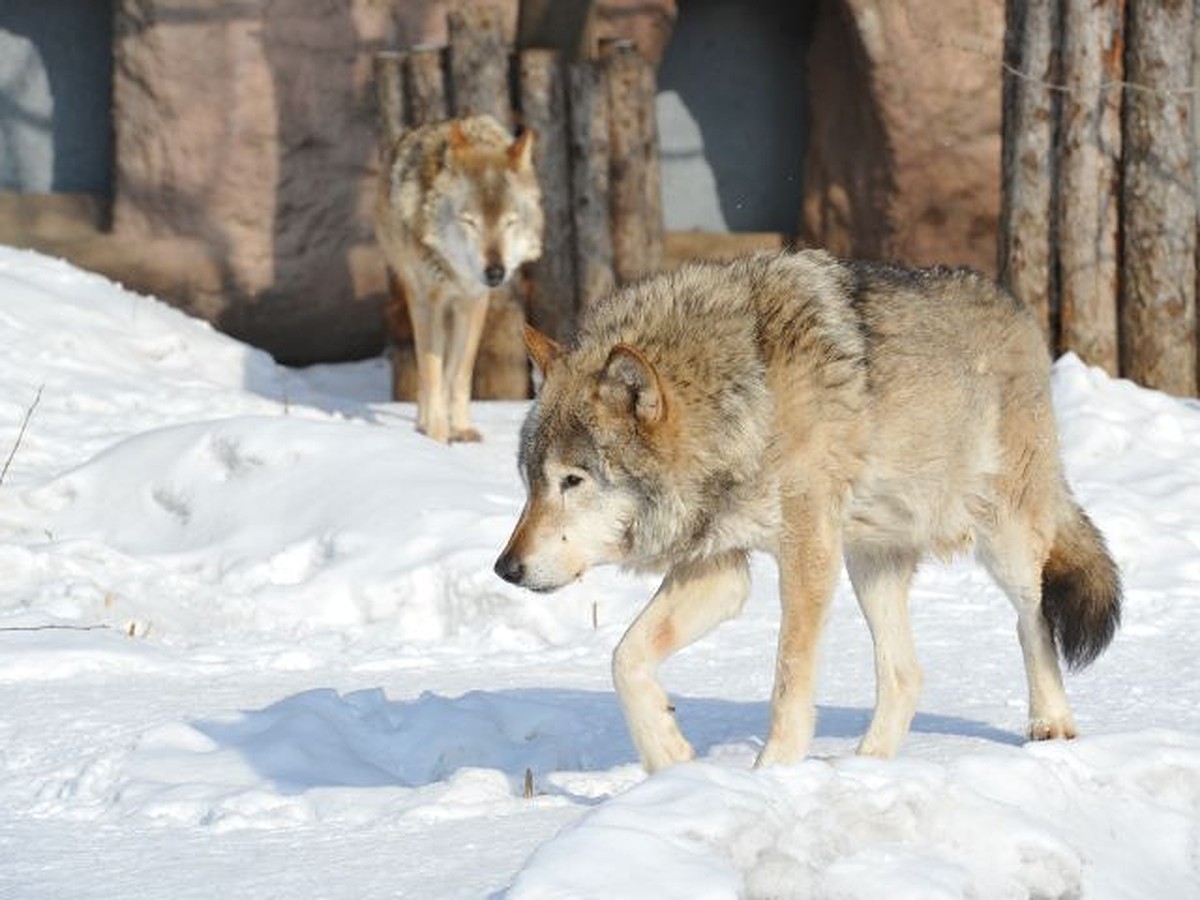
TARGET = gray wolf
(821,411)
(457,213)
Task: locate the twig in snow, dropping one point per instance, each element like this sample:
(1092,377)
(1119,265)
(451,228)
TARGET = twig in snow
(21,434)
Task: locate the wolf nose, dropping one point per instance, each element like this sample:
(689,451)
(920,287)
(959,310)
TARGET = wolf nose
(494,275)
(510,568)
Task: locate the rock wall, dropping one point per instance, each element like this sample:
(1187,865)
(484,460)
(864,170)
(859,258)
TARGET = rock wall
(904,149)
(251,127)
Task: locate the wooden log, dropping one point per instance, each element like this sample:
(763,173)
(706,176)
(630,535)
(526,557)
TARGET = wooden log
(1027,158)
(552,300)
(425,80)
(389,96)
(1158,301)
(1089,179)
(652,211)
(389,69)
(479,65)
(589,150)
(627,169)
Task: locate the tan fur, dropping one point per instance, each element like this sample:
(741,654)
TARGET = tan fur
(820,411)
(458,212)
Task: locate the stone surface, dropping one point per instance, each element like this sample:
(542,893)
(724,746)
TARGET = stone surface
(251,127)
(904,151)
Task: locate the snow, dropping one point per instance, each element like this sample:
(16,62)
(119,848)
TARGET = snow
(251,645)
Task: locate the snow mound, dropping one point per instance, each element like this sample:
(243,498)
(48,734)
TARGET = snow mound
(1101,817)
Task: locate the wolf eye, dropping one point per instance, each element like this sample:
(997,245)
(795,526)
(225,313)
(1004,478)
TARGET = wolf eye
(570,481)
(469,221)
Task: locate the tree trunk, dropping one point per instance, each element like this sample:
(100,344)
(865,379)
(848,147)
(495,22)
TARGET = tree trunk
(1089,179)
(552,301)
(627,169)
(424,75)
(1028,171)
(479,63)
(478,86)
(389,97)
(1158,303)
(590,182)
(652,209)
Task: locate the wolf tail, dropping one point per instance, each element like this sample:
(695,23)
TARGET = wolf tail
(1081,590)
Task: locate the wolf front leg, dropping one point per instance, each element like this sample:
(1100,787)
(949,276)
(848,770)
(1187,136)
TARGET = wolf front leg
(467,322)
(692,600)
(809,559)
(429,340)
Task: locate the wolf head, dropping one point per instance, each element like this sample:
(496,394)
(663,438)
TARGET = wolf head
(487,207)
(578,455)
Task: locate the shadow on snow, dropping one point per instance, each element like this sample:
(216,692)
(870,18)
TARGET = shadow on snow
(320,738)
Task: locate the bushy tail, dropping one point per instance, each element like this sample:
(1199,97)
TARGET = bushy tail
(1081,590)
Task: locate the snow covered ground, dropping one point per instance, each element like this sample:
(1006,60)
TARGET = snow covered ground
(251,646)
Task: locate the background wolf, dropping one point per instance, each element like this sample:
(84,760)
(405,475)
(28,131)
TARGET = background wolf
(458,211)
(814,409)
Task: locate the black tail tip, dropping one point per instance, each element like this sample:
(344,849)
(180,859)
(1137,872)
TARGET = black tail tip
(1083,609)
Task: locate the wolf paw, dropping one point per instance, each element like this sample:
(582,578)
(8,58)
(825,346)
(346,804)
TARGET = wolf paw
(439,433)
(661,746)
(466,435)
(1048,729)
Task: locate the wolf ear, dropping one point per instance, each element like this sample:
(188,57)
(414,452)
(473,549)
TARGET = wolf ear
(520,151)
(457,142)
(630,382)
(543,350)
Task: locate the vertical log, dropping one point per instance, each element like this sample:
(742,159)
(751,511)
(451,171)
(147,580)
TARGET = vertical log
(1027,174)
(389,96)
(1158,302)
(479,63)
(1089,178)
(627,169)
(1196,159)
(653,208)
(424,77)
(590,182)
(390,78)
(552,300)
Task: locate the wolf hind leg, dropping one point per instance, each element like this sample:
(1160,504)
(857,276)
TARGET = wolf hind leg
(1012,555)
(465,334)
(693,599)
(881,580)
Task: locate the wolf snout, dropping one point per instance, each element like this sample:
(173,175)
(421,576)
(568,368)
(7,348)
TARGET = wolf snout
(493,275)
(510,568)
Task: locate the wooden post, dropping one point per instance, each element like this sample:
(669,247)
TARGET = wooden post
(652,211)
(552,300)
(1158,302)
(479,63)
(389,95)
(425,78)
(590,182)
(1089,178)
(627,169)
(390,78)
(1028,143)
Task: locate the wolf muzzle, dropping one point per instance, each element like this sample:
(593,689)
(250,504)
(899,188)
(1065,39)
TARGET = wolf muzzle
(493,275)
(510,568)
